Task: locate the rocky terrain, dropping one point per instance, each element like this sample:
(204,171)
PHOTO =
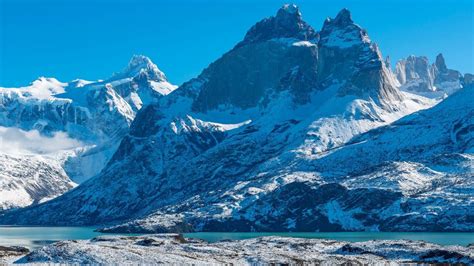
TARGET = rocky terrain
(10,254)
(174,249)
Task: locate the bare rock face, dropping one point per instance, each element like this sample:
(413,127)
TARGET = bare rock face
(275,53)
(445,79)
(284,53)
(417,75)
(415,72)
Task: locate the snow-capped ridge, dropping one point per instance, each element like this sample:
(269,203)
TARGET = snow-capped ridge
(96,114)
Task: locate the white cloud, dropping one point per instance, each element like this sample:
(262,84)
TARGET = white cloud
(17,141)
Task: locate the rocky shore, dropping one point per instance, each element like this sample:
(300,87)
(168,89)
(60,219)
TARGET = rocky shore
(11,254)
(175,249)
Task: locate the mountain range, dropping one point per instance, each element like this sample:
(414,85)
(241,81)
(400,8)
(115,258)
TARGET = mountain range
(293,129)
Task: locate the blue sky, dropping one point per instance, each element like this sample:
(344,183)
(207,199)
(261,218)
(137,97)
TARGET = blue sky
(92,39)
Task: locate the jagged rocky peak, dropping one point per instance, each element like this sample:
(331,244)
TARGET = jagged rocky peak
(343,18)
(416,74)
(445,77)
(347,56)
(276,49)
(342,32)
(440,63)
(413,67)
(288,23)
(141,65)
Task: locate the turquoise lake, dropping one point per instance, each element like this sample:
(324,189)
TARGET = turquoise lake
(35,237)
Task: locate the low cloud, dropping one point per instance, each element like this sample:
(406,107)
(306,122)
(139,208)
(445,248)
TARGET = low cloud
(17,141)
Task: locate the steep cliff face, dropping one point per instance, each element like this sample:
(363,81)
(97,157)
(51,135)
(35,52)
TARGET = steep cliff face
(277,52)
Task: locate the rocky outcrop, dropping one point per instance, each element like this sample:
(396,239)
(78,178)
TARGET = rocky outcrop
(10,254)
(417,75)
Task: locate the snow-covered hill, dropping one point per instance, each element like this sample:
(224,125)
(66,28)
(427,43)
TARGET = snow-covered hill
(68,130)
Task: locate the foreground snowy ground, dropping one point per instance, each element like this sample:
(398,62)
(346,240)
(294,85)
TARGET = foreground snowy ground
(173,248)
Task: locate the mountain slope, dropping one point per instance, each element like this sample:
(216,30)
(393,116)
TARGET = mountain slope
(26,180)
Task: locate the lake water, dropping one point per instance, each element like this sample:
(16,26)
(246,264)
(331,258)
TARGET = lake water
(462,239)
(35,237)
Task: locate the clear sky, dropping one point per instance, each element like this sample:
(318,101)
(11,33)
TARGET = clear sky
(88,39)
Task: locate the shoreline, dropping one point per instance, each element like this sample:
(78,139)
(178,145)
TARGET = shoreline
(174,248)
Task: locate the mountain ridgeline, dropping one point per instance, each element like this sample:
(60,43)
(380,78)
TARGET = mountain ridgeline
(293,129)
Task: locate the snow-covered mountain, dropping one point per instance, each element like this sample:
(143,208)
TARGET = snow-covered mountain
(90,116)
(264,139)
(29,179)
(415,74)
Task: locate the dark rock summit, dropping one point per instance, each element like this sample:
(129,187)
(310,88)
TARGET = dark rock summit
(274,53)
(288,23)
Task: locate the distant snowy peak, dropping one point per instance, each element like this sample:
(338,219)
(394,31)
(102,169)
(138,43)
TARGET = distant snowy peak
(98,113)
(417,75)
(288,23)
(141,65)
(141,82)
